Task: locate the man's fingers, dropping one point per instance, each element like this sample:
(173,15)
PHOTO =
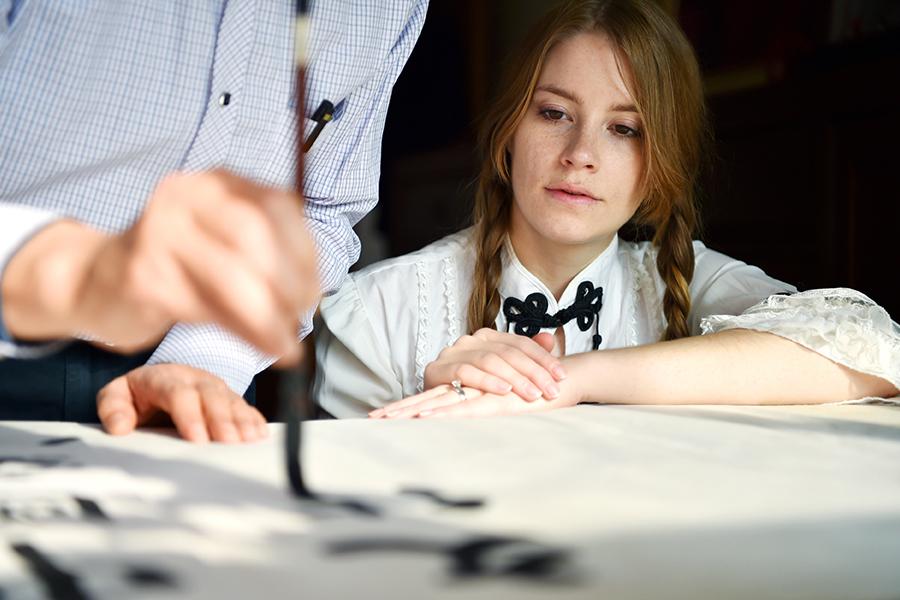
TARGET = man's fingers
(262,426)
(297,243)
(293,355)
(224,257)
(247,420)
(217,410)
(251,232)
(285,224)
(228,292)
(184,407)
(201,406)
(115,407)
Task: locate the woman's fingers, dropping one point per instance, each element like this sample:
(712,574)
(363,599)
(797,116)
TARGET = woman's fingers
(444,401)
(537,348)
(486,405)
(483,406)
(497,369)
(533,380)
(448,398)
(393,407)
(468,374)
(497,362)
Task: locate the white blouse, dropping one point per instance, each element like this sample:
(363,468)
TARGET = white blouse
(388,321)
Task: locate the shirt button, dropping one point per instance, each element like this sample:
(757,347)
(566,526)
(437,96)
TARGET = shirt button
(225,99)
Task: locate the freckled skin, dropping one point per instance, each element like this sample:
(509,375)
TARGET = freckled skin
(587,141)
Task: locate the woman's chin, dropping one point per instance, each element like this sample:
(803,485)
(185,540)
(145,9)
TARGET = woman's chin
(575,237)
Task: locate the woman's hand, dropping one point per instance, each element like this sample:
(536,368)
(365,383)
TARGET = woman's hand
(499,364)
(444,401)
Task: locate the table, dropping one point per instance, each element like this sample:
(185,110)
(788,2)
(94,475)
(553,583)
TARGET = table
(586,502)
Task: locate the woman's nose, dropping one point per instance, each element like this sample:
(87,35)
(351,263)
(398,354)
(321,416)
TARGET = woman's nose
(581,152)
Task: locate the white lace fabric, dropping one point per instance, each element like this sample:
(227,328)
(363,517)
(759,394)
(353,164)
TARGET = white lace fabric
(841,324)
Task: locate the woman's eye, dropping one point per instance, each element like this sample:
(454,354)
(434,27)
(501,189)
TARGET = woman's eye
(551,114)
(626,131)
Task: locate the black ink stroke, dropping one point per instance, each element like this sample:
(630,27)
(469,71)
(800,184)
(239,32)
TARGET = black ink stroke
(59,584)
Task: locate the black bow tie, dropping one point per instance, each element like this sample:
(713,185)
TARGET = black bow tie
(530,316)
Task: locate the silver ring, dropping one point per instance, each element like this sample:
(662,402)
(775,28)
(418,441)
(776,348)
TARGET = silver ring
(457,387)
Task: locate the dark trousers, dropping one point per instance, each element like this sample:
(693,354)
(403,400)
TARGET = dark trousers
(64,386)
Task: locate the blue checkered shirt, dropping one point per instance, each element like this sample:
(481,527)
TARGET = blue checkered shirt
(99,99)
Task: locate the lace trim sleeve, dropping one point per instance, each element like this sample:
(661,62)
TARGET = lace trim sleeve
(450,298)
(838,323)
(422,342)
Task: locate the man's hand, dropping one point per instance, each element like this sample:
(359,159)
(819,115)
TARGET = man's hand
(201,406)
(499,363)
(209,247)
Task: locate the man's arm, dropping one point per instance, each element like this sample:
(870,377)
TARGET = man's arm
(342,172)
(341,183)
(18,224)
(182,260)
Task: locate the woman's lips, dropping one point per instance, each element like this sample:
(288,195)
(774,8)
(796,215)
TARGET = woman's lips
(570,197)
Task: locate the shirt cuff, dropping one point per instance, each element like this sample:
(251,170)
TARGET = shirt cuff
(18,224)
(217,351)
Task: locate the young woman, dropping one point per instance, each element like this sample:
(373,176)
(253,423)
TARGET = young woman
(541,305)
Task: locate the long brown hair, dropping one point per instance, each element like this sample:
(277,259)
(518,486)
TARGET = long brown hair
(667,91)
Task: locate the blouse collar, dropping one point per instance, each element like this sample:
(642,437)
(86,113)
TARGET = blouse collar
(517,281)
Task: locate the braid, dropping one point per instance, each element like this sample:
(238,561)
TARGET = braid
(675,263)
(490,232)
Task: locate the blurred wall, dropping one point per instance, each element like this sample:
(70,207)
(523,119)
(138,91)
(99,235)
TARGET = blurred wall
(804,104)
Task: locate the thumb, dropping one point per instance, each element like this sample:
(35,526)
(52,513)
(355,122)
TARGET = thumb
(115,407)
(545,341)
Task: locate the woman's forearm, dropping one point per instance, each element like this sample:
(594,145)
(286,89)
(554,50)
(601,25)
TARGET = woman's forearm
(731,367)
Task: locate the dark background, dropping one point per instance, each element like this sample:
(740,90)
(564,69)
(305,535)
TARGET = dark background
(805,106)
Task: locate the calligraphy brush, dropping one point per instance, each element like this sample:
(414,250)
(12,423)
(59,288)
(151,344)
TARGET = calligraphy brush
(290,401)
(296,405)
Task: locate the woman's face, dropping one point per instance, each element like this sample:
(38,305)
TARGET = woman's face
(576,157)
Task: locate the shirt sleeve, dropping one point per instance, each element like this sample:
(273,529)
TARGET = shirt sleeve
(341,184)
(354,374)
(18,224)
(840,324)
(725,286)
